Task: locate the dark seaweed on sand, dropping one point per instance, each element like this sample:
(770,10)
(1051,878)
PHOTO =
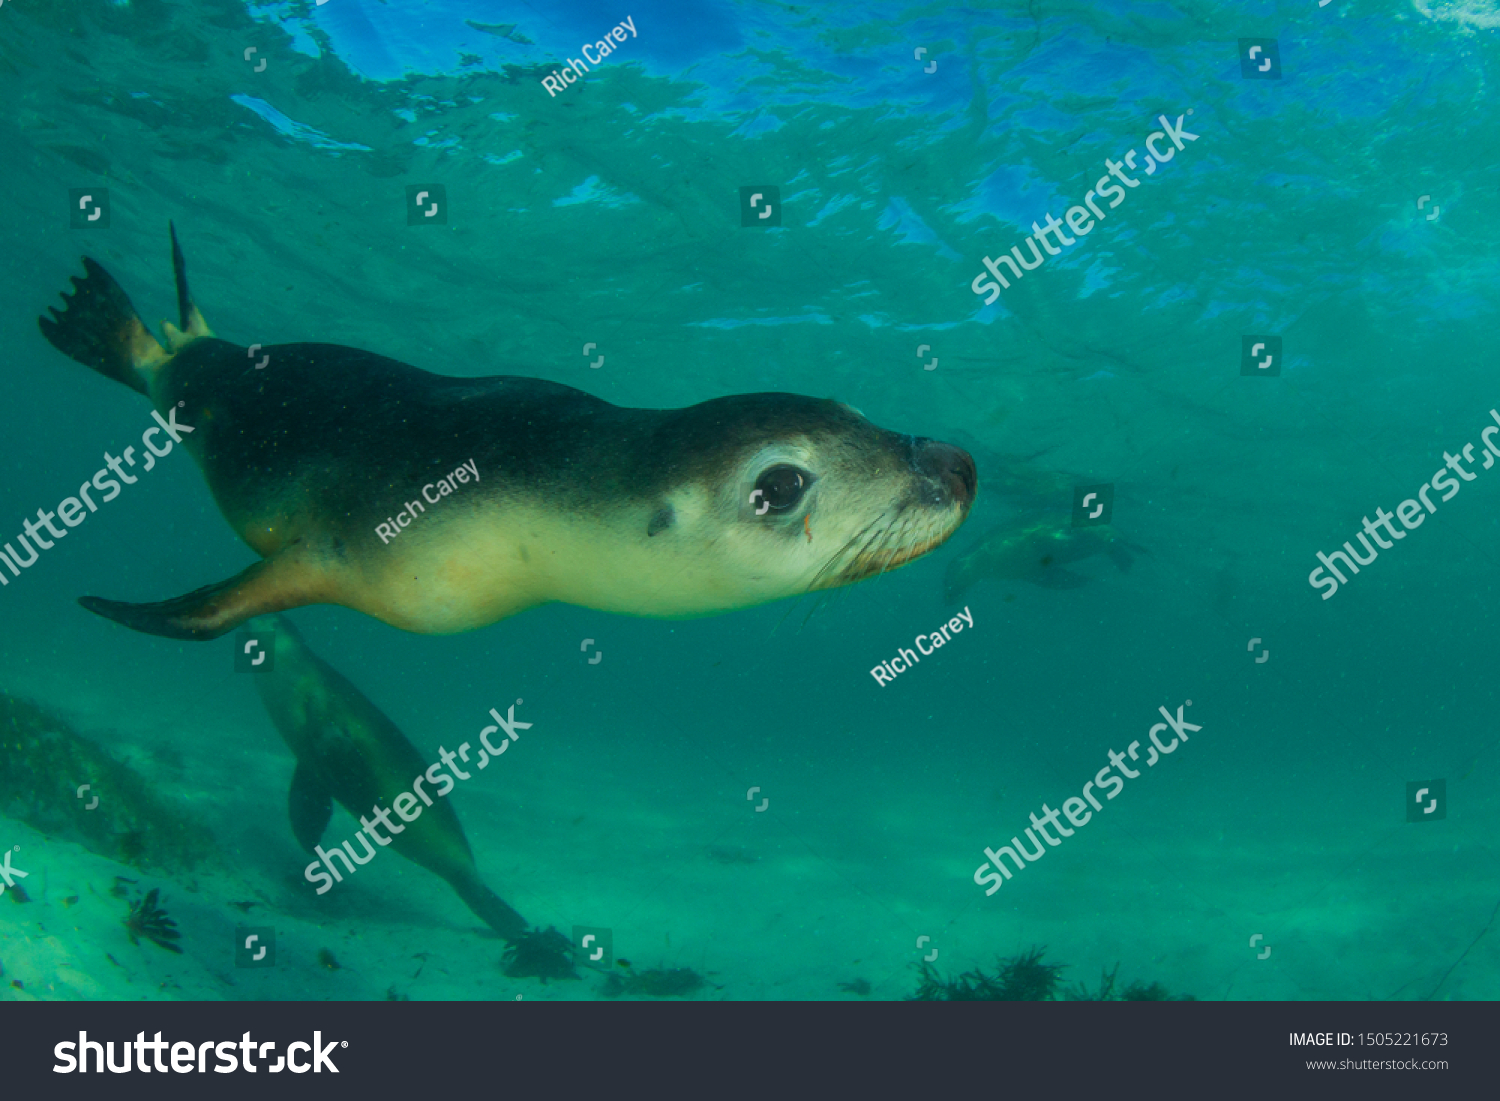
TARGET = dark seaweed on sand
(1022,978)
(1137,991)
(1025,978)
(147,919)
(546,956)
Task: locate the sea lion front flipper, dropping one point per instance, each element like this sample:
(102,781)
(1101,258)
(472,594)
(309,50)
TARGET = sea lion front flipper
(285,580)
(310,805)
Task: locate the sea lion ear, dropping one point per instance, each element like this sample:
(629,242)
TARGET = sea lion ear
(661,521)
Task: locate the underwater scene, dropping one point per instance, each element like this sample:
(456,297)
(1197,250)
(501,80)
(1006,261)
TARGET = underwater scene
(712,500)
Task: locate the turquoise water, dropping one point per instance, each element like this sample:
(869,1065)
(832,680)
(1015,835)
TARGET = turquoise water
(1343,208)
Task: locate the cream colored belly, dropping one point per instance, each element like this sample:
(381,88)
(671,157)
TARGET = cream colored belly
(467,572)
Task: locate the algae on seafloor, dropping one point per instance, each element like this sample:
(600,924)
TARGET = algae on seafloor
(44,762)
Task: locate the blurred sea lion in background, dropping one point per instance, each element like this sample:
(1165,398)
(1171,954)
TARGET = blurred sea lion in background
(347,750)
(1035,549)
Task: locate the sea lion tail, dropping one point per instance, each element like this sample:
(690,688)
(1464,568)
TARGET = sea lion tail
(493,910)
(99,328)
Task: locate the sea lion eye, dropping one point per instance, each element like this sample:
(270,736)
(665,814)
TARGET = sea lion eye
(780,487)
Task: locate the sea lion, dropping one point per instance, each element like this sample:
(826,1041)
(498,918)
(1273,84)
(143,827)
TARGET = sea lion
(1026,486)
(347,750)
(312,450)
(1032,548)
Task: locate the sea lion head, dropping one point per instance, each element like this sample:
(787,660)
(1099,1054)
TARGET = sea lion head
(779,494)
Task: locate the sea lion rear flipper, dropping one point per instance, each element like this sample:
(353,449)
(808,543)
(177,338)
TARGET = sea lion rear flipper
(193,325)
(490,907)
(98,325)
(310,805)
(284,580)
(99,328)
(1120,557)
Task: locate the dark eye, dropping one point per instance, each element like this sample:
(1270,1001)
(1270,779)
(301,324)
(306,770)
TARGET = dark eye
(780,487)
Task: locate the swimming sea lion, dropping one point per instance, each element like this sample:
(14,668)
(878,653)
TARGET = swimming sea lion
(1031,548)
(1025,485)
(442,504)
(347,750)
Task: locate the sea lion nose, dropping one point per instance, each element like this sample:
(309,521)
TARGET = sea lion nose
(952,467)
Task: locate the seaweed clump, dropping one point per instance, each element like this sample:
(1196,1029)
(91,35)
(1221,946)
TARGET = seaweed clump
(1025,978)
(546,956)
(147,919)
(1136,991)
(1021,978)
(673,982)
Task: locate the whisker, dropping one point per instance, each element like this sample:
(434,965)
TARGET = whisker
(885,566)
(782,621)
(832,561)
(898,543)
(870,546)
(820,601)
(836,558)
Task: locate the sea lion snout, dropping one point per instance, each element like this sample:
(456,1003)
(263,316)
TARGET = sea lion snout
(951,468)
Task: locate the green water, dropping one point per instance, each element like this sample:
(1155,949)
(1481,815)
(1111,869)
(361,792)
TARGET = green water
(1344,208)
